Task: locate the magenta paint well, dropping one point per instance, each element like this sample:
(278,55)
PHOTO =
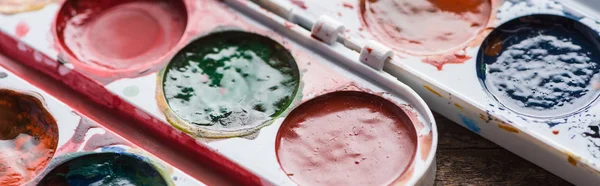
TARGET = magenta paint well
(118,38)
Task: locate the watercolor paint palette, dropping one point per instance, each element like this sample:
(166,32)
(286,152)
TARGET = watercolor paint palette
(521,73)
(282,107)
(46,142)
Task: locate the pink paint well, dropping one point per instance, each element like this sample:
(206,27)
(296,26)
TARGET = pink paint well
(122,37)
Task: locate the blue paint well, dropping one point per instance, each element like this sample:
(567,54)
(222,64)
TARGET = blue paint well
(541,65)
(469,123)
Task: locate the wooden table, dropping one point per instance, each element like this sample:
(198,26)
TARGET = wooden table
(465,158)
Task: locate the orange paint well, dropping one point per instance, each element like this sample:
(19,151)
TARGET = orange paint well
(406,26)
(28,137)
(346,138)
(426,26)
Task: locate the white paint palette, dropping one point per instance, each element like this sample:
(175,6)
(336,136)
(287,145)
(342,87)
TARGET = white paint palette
(139,92)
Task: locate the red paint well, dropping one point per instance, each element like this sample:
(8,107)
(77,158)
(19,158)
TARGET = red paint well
(22,29)
(119,35)
(346,138)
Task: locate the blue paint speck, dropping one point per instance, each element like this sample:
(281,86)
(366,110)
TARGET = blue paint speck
(469,123)
(114,149)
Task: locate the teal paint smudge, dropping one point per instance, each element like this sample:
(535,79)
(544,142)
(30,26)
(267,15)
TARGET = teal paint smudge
(131,91)
(469,123)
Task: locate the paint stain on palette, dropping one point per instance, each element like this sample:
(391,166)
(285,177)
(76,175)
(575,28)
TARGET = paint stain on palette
(28,137)
(119,36)
(346,138)
(17,6)
(229,82)
(104,169)
(541,65)
(438,29)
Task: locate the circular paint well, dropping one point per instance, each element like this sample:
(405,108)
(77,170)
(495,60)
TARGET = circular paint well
(118,35)
(425,27)
(104,169)
(230,81)
(346,138)
(28,137)
(541,65)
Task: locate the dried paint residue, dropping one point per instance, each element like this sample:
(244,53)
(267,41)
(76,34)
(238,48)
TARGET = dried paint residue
(508,128)
(469,123)
(343,135)
(433,91)
(425,142)
(426,26)
(22,29)
(439,61)
(299,3)
(348,5)
(459,106)
(572,159)
(28,137)
(78,137)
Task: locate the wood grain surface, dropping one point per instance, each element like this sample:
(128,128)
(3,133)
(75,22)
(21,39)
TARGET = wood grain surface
(465,158)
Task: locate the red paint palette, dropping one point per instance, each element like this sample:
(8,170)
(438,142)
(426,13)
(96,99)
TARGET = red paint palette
(119,38)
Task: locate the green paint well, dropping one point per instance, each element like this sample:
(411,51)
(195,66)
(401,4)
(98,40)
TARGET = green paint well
(104,169)
(231,80)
